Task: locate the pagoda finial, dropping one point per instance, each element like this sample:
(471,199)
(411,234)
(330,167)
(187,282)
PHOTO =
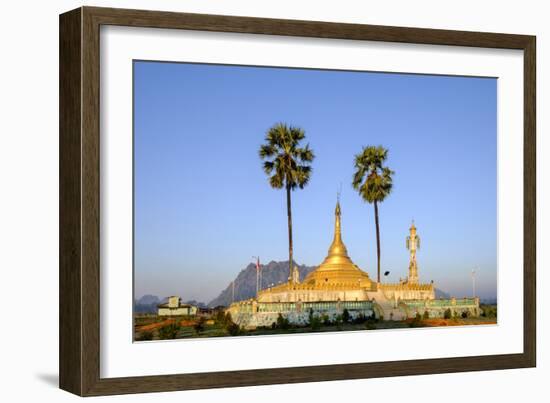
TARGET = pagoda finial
(337,246)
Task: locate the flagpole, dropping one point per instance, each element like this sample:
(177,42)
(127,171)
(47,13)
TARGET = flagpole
(473,283)
(260,278)
(257,274)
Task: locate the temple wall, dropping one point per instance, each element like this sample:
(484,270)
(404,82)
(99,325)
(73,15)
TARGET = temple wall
(408,292)
(251,314)
(267,319)
(436,308)
(314,295)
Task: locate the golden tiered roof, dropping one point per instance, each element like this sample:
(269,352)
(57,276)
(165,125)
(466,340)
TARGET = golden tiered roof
(338,269)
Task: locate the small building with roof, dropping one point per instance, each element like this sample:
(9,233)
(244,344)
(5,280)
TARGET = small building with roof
(174,307)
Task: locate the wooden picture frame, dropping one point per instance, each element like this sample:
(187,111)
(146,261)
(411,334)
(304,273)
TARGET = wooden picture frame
(79,278)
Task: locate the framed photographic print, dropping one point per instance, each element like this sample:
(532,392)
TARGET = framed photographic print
(249,201)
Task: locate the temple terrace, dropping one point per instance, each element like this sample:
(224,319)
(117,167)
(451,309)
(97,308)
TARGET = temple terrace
(338,284)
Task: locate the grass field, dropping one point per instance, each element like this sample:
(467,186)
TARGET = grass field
(153,327)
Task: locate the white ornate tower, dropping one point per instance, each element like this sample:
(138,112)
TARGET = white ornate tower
(413,243)
(295,275)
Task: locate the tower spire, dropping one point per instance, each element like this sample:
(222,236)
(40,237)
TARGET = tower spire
(337,247)
(413,243)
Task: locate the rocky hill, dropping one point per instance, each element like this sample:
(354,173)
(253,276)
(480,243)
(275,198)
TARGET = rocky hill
(441,294)
(146,304)
(273,273)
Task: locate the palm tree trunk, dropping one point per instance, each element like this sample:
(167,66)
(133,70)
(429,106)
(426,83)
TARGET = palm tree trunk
(377,238)
(289,214)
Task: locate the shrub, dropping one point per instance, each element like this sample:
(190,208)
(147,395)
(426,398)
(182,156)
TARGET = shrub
(339,321)
(465,314)
(282,322)
(144,336)
(169,332)
(310,315)
(417,321)
(447,314)
(200,324)
(345,316)
(326,320)
(221,317)
(426,315)
(233,329)
(315,323)
(370,325)
(228,319)
(361,318)
(488,311)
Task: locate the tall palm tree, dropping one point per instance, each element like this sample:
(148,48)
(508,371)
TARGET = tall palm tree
(373,182)
(287,164)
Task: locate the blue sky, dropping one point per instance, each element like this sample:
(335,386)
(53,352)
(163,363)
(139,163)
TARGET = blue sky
(203,206)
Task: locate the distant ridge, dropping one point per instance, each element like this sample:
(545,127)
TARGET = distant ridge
(146,304)
(441,294)
(273,273)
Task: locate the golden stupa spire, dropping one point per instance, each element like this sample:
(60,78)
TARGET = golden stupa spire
(337,247)
(338,268)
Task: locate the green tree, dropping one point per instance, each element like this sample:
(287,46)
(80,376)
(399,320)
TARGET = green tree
(288,165)
(373,182)
(447,314)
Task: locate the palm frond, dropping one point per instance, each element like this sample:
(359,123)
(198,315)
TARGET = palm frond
(371,179)
(285,158)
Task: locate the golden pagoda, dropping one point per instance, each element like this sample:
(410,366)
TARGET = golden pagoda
(338,269)
(338,284)
(337,278)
